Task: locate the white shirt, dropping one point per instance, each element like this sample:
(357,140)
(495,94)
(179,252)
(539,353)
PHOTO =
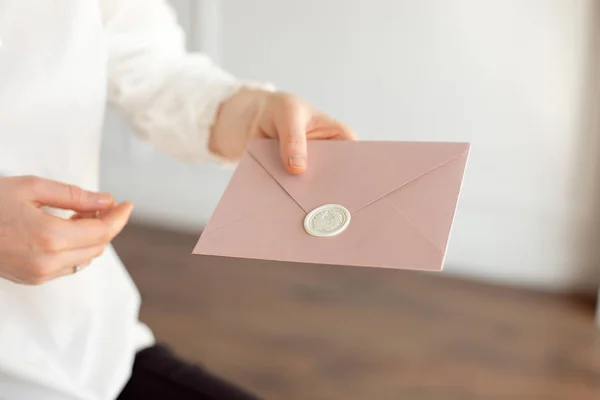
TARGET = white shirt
(76,337)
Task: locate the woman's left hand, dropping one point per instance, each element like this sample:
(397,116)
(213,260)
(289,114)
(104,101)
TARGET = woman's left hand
(261,114)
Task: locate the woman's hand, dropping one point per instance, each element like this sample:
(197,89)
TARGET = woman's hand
(36,246)
(255,113)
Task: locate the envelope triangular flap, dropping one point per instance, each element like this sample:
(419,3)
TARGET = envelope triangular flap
(250,189)
(354,174)
(429,202)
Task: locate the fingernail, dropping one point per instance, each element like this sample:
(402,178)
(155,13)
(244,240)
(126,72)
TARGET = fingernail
(297,162)
(104,198)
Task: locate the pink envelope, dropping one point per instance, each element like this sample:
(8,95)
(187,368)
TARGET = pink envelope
(388,204)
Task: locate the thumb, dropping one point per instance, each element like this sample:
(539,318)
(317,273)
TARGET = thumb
(68,197)
(292,140)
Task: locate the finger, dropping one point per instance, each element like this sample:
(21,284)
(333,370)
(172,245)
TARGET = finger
(13,278)
(291,130)
(326,128)
(95,214)
(64,235)
(345,133)
(80,257)
(69,197)
(78,216)
(64,263)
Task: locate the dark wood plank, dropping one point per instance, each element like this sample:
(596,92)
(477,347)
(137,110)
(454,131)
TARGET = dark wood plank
(321,332)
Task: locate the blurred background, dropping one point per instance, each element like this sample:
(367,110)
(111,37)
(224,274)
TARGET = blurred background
(517,79)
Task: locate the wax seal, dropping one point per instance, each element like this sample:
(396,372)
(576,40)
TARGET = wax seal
(327,220)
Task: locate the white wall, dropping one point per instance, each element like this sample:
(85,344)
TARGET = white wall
(514,77)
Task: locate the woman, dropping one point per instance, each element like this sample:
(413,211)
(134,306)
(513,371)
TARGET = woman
(69,324)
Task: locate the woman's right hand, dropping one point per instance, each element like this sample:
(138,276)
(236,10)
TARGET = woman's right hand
(35,246)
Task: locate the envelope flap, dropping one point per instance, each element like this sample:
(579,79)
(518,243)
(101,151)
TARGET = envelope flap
(251,188)
(353,174)
(430,201)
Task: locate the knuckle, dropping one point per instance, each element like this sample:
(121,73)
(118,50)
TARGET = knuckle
(99,252)
(76,193)
(39,270)
(32,182)
(288,101)
(36,281)
(295,139)
(105,236)
(47,241)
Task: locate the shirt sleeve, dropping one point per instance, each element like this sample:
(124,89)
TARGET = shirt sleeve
(172,96)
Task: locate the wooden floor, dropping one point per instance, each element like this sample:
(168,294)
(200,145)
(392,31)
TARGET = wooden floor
(300,332)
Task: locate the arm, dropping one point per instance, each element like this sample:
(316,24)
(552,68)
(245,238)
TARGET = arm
(172,96)
(190,108)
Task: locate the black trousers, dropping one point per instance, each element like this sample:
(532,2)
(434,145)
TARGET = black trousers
(159,374)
